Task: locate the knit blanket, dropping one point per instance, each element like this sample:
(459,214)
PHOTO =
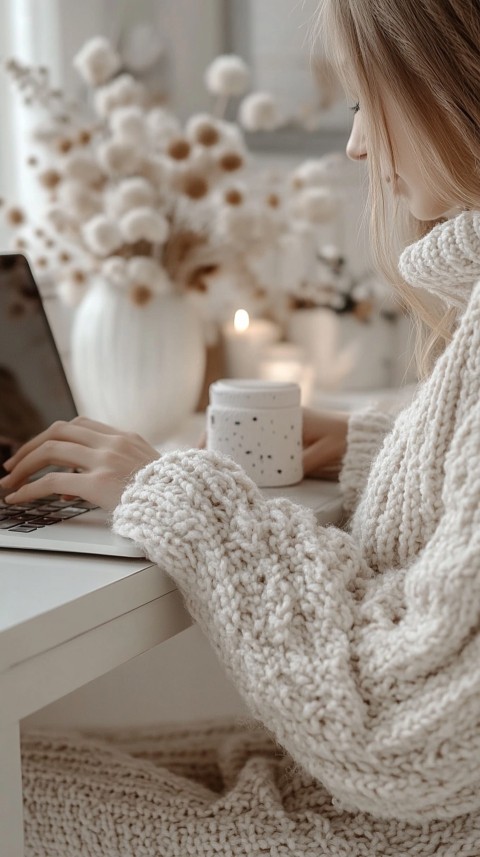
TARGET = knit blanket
(206,789)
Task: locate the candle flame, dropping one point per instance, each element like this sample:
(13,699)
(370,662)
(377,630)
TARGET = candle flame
(241,321)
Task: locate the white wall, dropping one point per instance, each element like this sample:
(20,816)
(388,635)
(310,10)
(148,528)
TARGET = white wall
(38,33)
(278,37)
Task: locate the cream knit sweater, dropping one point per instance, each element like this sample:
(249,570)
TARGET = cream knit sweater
(357,651)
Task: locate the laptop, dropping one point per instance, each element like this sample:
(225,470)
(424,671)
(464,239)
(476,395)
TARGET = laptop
(34,392)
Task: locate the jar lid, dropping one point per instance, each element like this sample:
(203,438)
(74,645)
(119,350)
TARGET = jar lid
(254,393)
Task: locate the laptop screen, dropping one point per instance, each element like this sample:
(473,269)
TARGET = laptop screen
(33,388)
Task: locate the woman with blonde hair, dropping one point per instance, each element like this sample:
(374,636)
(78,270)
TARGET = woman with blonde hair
(357,651)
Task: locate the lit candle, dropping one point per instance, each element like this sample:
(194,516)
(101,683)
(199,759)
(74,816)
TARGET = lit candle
(245,340)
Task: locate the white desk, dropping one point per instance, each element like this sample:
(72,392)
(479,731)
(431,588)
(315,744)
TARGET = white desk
(67,619)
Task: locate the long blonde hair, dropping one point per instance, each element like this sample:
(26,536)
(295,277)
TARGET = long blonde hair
(427,53)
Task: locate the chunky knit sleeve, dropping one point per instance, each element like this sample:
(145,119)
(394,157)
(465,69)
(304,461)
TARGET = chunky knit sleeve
(370,681)
(367,430)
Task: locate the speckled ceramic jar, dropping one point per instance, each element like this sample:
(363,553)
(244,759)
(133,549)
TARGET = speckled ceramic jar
(259,425)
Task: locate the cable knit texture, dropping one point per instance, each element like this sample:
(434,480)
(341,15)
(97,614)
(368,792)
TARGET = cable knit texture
(357,651)
(446,262)
(366,432)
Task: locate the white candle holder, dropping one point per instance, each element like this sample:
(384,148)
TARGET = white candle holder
(286,362)
(244,344)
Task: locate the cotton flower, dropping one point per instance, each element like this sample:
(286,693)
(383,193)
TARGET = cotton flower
(80,200)
(179,149)
(227,75)
(128,123)
(162,125)
(120,92)
(176,170)
(234,195)
(143,270)
(97,61)
(203,161)
(335,162)
(115,270)
(332,169)
(212,138)
(140,294)
(156,170)
(50,179)
(102,235)
(316,205)
(118,158)
(143,47)
(231,154)
(64,145)
(274,200)
(134,192)
(230,161)
(312,173)
(259,112)
(15,216)
(262,263)
(237,222)
(144,224)
(193,185)
(82,167)
(203,129)
(85,137)
(332,255)
(361,292)
(231,135)
(60,219)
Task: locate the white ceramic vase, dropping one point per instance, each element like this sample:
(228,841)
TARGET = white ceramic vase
(138,368)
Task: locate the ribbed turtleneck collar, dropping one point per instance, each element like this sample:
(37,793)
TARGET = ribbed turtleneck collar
(446,262)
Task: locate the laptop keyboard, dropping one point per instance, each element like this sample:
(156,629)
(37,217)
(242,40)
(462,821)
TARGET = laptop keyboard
(29,517)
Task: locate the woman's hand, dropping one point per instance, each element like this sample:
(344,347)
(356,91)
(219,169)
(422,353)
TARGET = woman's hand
(104,459)
(324,443)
